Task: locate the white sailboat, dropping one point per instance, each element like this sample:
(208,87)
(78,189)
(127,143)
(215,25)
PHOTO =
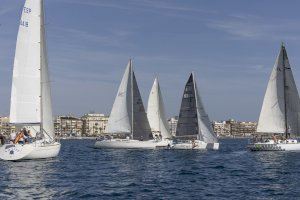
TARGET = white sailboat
(156,113)
(194,129)
(30,94)
(279,118)
(128,126)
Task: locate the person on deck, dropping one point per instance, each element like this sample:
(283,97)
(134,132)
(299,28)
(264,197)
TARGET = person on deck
(19,138)
(13,136)
(275,138)
(27,136)
(39,136)
(2,139)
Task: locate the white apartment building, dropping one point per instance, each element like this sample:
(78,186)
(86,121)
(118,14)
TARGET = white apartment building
(172,125)
(94,124)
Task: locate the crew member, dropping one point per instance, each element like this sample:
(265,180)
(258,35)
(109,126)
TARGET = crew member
(2,139)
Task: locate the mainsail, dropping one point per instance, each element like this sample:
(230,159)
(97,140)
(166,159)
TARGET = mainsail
(128,114)
(193,122)
(30,95)
(156,112)
(280,111)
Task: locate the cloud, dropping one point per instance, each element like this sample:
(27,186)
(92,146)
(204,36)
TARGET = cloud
(114,38)
(256,28)
(157,6)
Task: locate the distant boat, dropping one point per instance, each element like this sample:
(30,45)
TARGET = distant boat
(156,113)
(128,126)
(30,96)
(194,129)
(279,118)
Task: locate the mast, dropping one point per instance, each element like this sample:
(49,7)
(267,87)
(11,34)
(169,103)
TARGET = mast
(41,67)
(131,87)
(158,107)
(284,91)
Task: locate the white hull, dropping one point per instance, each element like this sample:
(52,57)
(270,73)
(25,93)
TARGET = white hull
(286,145)
(131,144)
(213,146)
(29,151)
(197,144)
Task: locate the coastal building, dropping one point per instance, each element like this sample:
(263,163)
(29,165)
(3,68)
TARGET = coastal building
(172,125)
(232,128)
(66,126)
(94,124)
(246,129)
(222,129)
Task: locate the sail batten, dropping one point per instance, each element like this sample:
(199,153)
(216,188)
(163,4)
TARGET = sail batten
(281,106)
(156,112)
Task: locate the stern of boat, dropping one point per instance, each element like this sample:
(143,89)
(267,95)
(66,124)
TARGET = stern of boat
(42,151)
(213,146)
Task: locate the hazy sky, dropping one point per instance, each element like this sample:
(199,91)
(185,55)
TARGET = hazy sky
(230,45)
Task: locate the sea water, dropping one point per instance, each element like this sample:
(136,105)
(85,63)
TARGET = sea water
(81,171)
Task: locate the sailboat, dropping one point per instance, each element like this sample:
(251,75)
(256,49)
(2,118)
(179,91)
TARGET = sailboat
(128,126)
(30,106)
(156,114)
(194,129)
(279,119)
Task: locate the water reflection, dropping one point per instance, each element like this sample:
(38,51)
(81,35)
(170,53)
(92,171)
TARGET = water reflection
(273,170)
(272,159)
(27,179)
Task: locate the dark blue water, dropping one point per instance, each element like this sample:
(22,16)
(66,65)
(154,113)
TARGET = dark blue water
(84,172)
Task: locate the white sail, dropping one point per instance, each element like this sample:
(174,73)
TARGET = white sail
(128,114)
(280,91)
(26,87)
(205,127)
(156,112)
(31,96)
(120,117)
(47,115)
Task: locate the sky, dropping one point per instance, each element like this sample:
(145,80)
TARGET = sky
(230,45)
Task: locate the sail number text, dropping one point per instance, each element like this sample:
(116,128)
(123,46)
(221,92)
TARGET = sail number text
(24,23)
(26,10)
